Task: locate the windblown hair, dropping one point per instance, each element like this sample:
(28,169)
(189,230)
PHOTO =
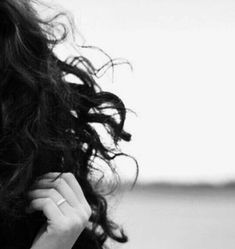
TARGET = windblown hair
(47,125)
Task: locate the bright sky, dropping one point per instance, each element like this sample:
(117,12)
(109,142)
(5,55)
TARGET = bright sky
(183,84)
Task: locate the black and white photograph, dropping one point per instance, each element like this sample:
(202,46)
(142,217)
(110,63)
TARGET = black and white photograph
(117,124)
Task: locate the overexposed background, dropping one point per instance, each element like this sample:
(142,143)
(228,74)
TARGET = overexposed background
(183,84)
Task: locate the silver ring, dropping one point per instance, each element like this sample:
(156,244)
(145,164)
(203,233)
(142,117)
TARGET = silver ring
(60,202)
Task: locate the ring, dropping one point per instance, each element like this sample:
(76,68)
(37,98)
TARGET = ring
(60,202)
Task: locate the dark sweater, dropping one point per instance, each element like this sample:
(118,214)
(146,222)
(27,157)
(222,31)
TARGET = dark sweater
(21,234)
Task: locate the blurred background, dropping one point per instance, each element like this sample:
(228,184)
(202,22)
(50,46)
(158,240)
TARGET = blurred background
(182,90)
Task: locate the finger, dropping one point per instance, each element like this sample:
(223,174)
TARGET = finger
(62,187)
(48,207)
(52,194)
(73,183)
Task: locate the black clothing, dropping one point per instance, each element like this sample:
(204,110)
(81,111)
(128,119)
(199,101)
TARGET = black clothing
(21,233)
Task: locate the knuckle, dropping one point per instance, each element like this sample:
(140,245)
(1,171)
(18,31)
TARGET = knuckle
(89,211)
(62,182)
(47,201)
(57,182)
(52,192)
(82,214)
(68,175)
(88,208)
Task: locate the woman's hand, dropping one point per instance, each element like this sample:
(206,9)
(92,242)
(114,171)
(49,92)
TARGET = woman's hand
(64,222)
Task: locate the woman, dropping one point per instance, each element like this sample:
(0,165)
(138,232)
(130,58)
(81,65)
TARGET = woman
(49,198)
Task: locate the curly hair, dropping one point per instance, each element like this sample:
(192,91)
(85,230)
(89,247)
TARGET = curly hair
(47,125)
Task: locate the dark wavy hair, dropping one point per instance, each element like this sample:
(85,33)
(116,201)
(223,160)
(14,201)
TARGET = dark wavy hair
(48,125)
